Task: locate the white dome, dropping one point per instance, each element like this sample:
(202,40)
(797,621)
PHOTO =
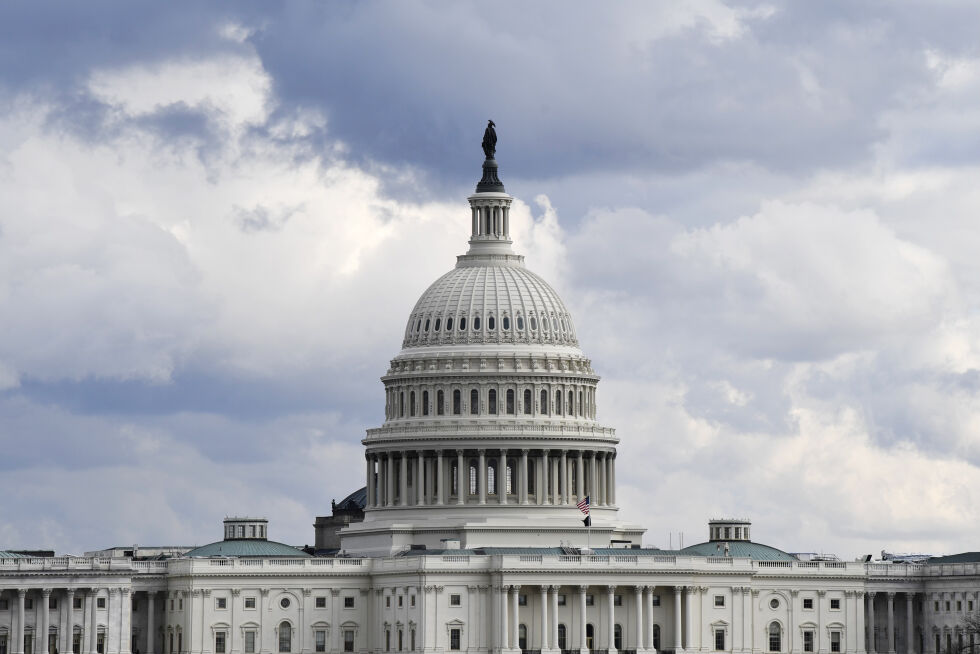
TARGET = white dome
(490,300)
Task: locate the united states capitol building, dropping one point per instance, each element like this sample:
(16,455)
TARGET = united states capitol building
(469,536)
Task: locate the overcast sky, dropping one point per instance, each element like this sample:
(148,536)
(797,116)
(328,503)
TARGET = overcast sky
(215,219)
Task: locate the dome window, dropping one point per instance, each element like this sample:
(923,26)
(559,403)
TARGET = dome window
(506,323)
(418,326)
(534,323)
(491,323)
(544,324)
(462,324)
(426,325)
(438,323)
(449,324)
(476,323)
(564,325)
(520,323)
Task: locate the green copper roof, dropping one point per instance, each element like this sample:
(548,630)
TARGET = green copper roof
(963,557)
(11,555)
(738,549)
(247,547)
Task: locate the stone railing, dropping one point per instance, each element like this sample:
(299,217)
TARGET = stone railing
(183,566)
(464,428)
(673,562)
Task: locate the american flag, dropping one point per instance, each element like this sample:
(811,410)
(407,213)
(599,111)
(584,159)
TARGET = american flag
(583,506)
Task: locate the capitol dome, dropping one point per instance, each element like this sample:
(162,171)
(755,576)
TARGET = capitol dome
(483,301)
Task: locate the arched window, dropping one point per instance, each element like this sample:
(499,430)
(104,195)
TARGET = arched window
(530,479)
(544,323)
(527,402)
(492,477)
(476,323)
(510,401)
(522,636)
(492,402)
(285,637)
(520,323)
(411,404)
(490,323)
(534,323)
(656,637)
(562,637)
(401,404)
(438,323)
(505,321)
(449,324)
(440,401)
(589,636)
(425,403)
(775,637)
(474,402)
(571,403)
(580,411)
(558,403)
(427,325)
(457,402)
(544,402)
(618,636)
(462,323)
(418,326)
(472,477)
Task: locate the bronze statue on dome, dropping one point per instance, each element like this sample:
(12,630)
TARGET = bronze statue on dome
(489,140)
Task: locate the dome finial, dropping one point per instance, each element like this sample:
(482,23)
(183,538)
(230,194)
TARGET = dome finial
(490,183)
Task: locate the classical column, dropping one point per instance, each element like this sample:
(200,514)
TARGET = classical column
(506,211)
(554,618)
(872,647)
(461,485)
(524,477)
(563,481)
(151,627)
(92,636)
(820,644)
(502,477)
(69,622)
(516,619)
(419,479)
(390,480)
(504,634)
(600,480)
(909,628)
(580,476)
(582,646)
(403,481)
(688,623)
(481,476)
(593,487)
(859,611)
(18,646)
(369,475)
(611,597)
(891,623)
(41,632)
(544,485)
(86,608)
(440,480)
(612,479)
(678,634)
(639,619)
(545,627)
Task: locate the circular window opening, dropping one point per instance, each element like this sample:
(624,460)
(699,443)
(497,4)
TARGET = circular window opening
(449,324)
(438,323)
(476,324)
(534,322)
(520,322)
(462,323)
(544,324)
(426,324)
(506,323)
(490,323)
(774,603)
(284,602)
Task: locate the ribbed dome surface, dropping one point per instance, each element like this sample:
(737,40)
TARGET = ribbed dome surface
(490,304)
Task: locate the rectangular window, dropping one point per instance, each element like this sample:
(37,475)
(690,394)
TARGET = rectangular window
(807,603)
(100,603)
(412,602)
(522,600)
(348,640)
(249,642)
(590,600)
(807,641)
(388,602)
(76,643)
(219,642)
(562,600)
(959,605)
(719,600)
(221,602)
(249,602)
(655,600)
(834,641)
(413,639)
(100,643)
(720,640)
(52,602)
(29,604)
(4,605)
(617,600)
(28,644)
(401,635)
(387,640)
(935,606)
(180,604)
(947,605)
(969,605)
(52,643)
(320,640)
(401,600)
(454,639)
(76,603)
(835,604)
(455,600)
(348,602)
(3,643)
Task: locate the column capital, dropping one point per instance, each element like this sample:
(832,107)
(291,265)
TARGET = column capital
(46,592)
(678,590)
(481,452)
(516,588)
(821,592)
(871,594)
(891,595)
(459,452)
(582,589)
(859,593)
(610,589)
(124,591)
(545,588)
(236,592)
(265,591)
(307,592)
(21,592)
(525,451)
